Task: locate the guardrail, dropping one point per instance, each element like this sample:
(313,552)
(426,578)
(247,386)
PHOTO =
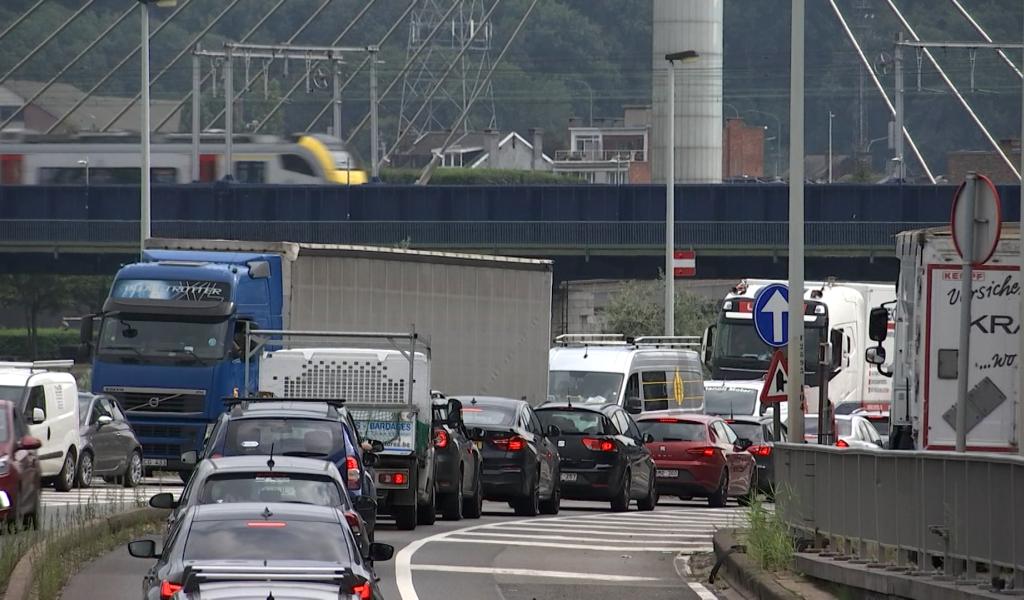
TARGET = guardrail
(908,511)
(728,235)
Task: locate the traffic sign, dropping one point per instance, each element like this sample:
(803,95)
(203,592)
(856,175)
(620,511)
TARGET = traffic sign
(771,315)
(776,380)
(684,263)
(982,214)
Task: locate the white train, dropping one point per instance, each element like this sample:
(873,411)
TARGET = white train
(103,159)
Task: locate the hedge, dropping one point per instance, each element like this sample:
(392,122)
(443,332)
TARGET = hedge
(51,343)
(463,176)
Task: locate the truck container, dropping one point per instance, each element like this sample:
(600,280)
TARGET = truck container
(173,328)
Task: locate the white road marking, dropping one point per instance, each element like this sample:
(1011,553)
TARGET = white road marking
(530,573)
(569,529)
(683,568)
(596,540)
(695,548)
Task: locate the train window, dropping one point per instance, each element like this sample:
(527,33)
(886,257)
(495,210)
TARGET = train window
(104,175)
(296,164)
(250,171)
(163,175)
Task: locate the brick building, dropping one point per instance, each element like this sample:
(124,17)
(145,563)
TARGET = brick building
(987,163)
(742,149)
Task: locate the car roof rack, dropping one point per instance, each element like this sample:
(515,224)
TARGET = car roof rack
(40,365)
(668,341)
(592,339)
(195,575)
(237,404)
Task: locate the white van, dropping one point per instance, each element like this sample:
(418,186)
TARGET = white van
(49,401)
(640,374)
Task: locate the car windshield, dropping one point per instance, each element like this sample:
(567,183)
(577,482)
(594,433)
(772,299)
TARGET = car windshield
(584,386)
(574,422)
(263,539)
(749,431)
(730,401)
(297,437)
(14,393)
(489,415)
(271,487)
(671,430)
(740,341)
(127,336)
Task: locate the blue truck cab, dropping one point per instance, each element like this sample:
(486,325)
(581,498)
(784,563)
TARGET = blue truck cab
(170,343)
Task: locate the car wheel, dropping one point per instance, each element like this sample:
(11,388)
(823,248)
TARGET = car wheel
(428,512)
(405,517)
(529,506)
(85,471)
(66,478)
(552,505)
(651,500)
(473,506)
(133,472)
(620,503)
(451,504)
(718,498)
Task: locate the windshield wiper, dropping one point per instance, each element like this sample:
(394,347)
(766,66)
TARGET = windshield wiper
(132,348)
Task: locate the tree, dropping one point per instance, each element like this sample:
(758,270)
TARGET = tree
(635,311)
(34,294)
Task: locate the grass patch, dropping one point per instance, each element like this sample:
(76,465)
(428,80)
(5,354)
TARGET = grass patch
(769,542)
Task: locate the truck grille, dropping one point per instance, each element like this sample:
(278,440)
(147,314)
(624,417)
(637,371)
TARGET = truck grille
(363,381)
(158,431)
(161,401)
(162,450)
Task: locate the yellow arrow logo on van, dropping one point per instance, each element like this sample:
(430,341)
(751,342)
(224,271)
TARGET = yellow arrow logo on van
(677,388)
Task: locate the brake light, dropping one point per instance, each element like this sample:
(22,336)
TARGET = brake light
(266,524)
(216,455)
(362,590)
(842,444)
(512,444)
(746,306)
(668,421)
(706,452)
(352,519)
(760,450)
(599,445)
(168,589)
(440,438)
(352,471)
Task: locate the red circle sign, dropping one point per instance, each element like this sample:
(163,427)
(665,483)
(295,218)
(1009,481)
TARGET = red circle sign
(987,220)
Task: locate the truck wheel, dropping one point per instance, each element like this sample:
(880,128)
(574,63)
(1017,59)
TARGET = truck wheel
(66,478)
(451,504)
(428,512)
(473,506)
(405,517)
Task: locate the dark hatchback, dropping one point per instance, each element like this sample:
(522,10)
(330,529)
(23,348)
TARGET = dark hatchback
(520,458)
(110,448)
(762,438)
(602,454)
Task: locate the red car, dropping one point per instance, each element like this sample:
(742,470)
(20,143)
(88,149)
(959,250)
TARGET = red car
(698,455)
(20,487)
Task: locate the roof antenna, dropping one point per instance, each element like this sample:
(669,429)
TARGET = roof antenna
(270,593)
(266,514)
(586,350)
(270,460)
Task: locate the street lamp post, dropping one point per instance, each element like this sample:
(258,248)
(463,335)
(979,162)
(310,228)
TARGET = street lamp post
(670,189)
(831,116)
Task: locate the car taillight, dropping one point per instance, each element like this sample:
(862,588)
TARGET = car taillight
(599,445)
(668,421)
(706,452)
(352,472)
(512,444)
(362,590)
(760,450)
(352,519)
(216,455)
(168,589)
(842,444)
(388,478)
(440,438)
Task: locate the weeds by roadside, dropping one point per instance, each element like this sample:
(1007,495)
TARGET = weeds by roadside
(769,542)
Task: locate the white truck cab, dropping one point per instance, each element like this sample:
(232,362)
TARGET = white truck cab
(48,398)
(640,374)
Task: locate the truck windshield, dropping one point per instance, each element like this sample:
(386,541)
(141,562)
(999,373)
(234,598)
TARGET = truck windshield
(584,386)
(146,336)
(737,345)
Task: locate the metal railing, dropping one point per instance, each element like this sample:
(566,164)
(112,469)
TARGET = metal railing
(908,510)
(732,235)
(595,155)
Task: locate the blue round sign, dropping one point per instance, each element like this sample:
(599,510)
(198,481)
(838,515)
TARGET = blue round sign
(771,314)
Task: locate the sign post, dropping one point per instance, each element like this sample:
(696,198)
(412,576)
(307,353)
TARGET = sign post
(771,323)
(976,225)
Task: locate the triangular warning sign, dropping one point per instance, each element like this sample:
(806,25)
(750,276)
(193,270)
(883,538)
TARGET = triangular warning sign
(776,380)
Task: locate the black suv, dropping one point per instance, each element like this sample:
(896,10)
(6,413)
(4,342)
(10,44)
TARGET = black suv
(311,428)
(457,462)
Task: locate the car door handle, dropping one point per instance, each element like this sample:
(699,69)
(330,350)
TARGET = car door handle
(47,433)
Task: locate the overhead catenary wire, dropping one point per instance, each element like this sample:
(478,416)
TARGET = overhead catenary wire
(952,87)
(47,40)
(880,88)
(981,31)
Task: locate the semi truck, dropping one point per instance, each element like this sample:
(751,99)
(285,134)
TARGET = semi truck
(835,313)
(927,342)
(172,334)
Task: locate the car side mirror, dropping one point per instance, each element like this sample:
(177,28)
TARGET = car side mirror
(189,458)
(477,433)
(648,438)
(38,416)
(143,549)
(30,443)
(875,355)
(742,444)
(163,500)
(365,503)
(381,552)
(104,420)
(707,345)
(377,445)
(878,324)
(554,431)
(370,459)
(454,413)
(634,405)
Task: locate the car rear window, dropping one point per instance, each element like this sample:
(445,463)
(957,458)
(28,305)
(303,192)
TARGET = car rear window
(572,422)
(296,437)
(730,401)
(271,487)
(266,539)
(670,430)
(844,427)
(488,415)
(749,431)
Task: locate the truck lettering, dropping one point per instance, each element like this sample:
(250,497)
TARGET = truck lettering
(999,360)
(389,426)
(994,322)
(996,289)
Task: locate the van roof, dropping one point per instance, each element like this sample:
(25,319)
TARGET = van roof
(619,359)
(15,376)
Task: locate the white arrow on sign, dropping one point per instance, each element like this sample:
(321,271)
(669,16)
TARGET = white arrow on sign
(776,379)
(778,306)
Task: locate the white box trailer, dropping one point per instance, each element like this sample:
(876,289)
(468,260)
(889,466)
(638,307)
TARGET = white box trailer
(927,343)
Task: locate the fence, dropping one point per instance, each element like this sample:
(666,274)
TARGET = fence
(909,510)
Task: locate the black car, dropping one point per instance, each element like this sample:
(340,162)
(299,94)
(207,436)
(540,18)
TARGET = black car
(237,479)
(312,428)
(520,458)
(759,431)
(457,462)
(603,456)
(258,538)
(109,447)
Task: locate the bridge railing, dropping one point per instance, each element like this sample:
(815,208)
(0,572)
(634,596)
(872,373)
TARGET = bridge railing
(908,510)
(738,235)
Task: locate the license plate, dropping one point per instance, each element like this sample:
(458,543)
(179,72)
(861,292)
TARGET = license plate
(154,462)
(568,476)
(667,473)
